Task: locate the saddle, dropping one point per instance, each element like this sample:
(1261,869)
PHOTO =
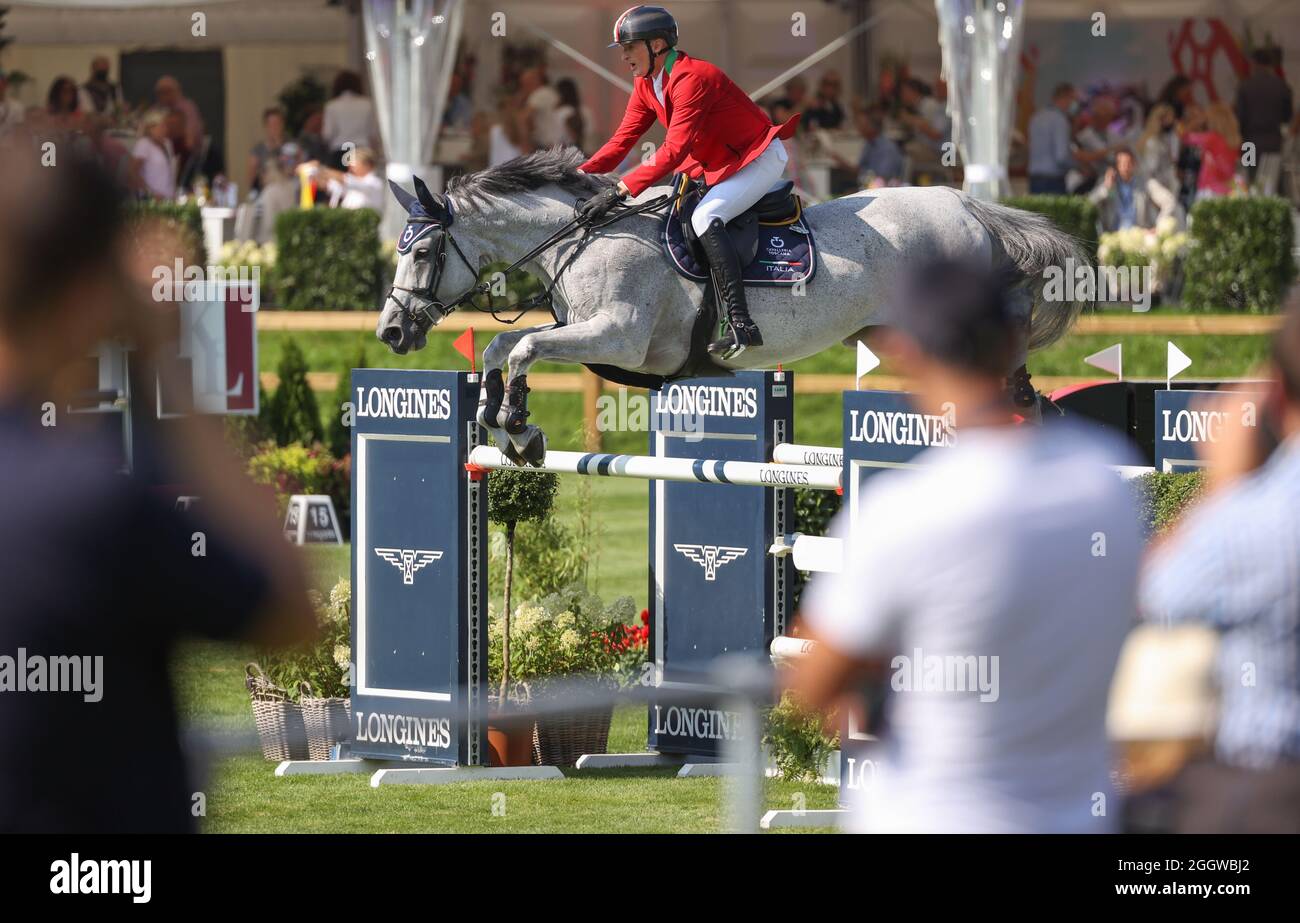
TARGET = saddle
(775,244)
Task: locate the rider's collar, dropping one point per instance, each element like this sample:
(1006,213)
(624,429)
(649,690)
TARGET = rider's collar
(669,61)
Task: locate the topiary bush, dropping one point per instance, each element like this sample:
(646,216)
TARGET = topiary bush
(1071,213)
(1162,497)
(1239,256)
(293,415)
(328,259)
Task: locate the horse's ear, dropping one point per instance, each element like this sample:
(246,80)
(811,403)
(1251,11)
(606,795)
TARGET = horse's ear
(428,199)
(404,198)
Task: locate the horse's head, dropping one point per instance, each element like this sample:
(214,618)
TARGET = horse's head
(433,276)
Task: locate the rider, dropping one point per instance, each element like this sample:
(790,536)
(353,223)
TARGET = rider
(714,130)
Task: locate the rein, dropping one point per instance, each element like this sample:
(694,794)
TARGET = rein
(424,320)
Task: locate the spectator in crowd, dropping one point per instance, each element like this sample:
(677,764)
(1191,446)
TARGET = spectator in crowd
(360,186)
(1129,199)
(1051,154)
(1264,105)
(990,563)
(508,135)
(155,160)
(99,94)
(94,565)
(112,154)
(826,111)
(11,111)
(795,99)
(460,109)
(168,96)
(61,106)
(571,116)
(881,162)
(926,116)
(539,100)
(310,140)
(349,118)
(1158,146)
(1092,151)
(1178,94)
(1213,132)
(1230,563)
(273,139)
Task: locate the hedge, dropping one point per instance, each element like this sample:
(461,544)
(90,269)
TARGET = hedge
(1164,497)
(1239,256)
(1071,213)
(328,259)
(187,219)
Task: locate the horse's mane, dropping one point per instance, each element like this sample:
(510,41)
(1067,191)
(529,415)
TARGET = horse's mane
(555,166)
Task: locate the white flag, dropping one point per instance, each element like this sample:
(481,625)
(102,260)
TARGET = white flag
(1176,362)
(867,360)
(1110,359)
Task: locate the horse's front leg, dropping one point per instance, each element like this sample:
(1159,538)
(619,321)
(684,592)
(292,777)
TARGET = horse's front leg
(492,392)
(598,340)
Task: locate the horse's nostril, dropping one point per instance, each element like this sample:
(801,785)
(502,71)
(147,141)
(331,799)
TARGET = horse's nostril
(392,335)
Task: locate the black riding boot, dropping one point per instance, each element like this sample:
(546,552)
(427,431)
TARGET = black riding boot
(724,263)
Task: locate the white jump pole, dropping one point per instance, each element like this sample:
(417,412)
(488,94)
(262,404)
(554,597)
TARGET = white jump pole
(820,456)
(649,467)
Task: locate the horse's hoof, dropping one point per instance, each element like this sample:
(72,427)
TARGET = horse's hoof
(534,451)
(512,454)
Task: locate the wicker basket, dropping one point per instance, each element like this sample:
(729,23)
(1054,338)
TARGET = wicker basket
(279,720)
(558,740)
(327,722)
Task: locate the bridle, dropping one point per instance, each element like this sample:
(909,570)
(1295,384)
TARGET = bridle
(422,319)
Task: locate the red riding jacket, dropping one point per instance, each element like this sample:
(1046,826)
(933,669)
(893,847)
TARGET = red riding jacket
(714,128)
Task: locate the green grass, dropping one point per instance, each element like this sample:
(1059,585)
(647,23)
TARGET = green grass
(244,796)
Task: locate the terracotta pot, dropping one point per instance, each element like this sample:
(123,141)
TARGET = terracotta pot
(510,741)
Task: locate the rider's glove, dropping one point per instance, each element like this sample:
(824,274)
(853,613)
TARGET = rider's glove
(600,204)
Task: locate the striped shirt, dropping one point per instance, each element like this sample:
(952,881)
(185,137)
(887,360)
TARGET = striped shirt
(1235,565)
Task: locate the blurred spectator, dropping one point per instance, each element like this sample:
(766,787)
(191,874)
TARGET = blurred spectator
(310,139)
(61,106)
(1050,151)
(167,95)
(539,100)
(987,579)
(795,99)
(460,109)
(1178,94)
(1264,105)
(508,136)
(99,95)
(1091,148)
(1158,146)
(826,111)
(360,186)
(931,127)
(349,118)
(572,117)
(881,162)
(1230,563)
(1213,132)
(11,111)
(273,139)
(112,154)
(155,160)
(1128,199)
(97,570)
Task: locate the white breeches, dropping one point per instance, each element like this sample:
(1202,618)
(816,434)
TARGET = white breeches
(733,195)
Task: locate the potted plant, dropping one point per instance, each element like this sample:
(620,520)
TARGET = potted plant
(304,691)
(562,643)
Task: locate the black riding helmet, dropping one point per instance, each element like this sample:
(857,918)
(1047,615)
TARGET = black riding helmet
(643,23)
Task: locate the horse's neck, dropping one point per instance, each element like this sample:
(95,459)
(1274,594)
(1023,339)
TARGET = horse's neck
(505,230)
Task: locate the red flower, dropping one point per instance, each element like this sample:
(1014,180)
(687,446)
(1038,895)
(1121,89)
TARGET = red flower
(645,616)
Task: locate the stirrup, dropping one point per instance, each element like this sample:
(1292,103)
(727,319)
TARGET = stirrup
(727,349)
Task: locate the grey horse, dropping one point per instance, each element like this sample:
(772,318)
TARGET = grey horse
(622,305)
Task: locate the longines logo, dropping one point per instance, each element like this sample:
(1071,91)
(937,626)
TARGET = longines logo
(711,557)
(408,560)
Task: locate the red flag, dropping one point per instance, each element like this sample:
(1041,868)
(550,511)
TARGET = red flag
(465,346)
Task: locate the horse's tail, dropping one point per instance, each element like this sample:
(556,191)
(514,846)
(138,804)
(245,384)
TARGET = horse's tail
(1032,244)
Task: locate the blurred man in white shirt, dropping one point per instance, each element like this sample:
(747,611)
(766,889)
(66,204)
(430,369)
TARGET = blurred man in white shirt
(360,186)
(992,584)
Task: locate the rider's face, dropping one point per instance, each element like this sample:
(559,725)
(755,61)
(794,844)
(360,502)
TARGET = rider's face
(637,57)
